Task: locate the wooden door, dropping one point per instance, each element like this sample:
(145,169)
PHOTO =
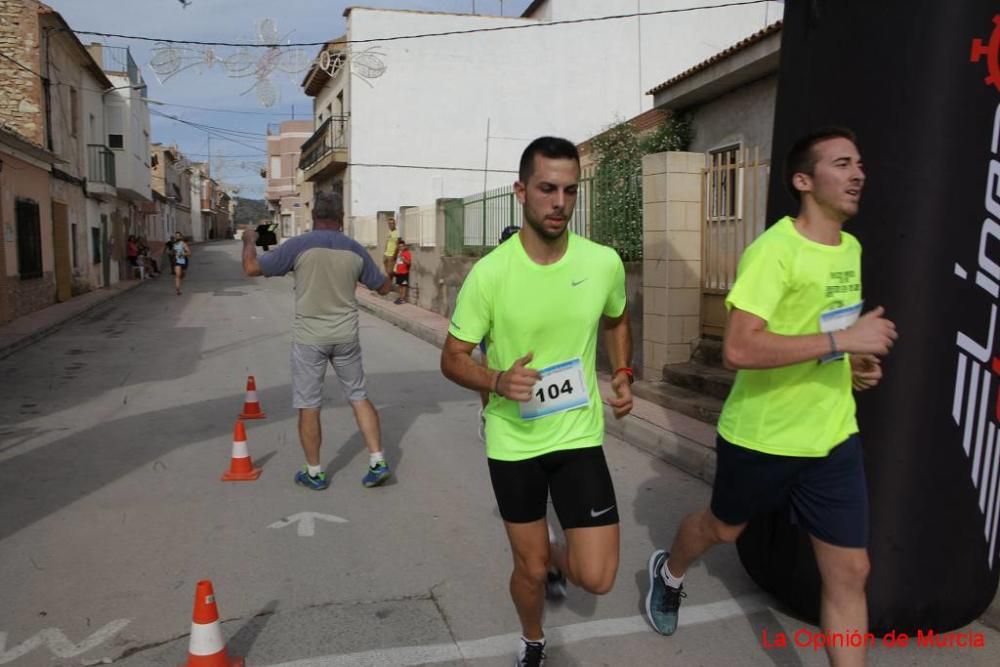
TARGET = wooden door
(61,247)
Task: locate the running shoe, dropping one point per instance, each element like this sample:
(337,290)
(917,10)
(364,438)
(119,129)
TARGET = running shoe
(530,654)
(662,601)
(555,585)
(399,302)
(317,483)
(376,475)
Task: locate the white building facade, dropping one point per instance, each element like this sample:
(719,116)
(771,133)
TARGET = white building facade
(448,116)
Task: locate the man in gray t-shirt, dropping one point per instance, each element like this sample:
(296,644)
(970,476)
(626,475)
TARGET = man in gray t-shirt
(327,265)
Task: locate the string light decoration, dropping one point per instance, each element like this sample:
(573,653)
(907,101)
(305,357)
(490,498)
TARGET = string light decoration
(170,59)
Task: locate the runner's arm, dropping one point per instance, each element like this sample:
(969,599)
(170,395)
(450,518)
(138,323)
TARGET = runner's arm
(618,340)
(250,265)
(458,366)
(749,345)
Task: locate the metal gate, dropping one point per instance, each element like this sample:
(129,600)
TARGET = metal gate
(734,203)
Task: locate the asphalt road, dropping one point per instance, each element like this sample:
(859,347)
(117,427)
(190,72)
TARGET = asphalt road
(114,433)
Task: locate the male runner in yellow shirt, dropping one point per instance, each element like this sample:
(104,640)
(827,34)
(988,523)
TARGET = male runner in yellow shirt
(788,430)
(538,301)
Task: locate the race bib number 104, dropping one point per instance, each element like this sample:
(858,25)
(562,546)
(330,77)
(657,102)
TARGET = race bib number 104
(561,388)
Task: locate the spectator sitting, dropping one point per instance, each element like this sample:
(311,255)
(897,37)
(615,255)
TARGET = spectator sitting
(132,254)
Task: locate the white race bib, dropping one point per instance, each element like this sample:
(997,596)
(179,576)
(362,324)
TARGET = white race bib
(838,319)
(561,388)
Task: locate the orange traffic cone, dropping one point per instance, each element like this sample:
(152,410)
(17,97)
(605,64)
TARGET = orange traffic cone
(240,465)
(251,407)
(206,647)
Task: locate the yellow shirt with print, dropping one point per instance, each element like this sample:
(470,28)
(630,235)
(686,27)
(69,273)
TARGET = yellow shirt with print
(805,409)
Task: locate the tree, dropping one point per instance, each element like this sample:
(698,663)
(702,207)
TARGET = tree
(250,212)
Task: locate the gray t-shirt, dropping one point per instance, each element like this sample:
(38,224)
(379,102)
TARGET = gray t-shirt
(328,265)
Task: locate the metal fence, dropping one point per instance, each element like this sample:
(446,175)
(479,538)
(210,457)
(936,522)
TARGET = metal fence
(100,164)
(734,203)
(330,136)
(118,59)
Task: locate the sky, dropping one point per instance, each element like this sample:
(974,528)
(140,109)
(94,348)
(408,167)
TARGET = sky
(238,153)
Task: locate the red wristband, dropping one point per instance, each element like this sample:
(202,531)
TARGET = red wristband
(628,372)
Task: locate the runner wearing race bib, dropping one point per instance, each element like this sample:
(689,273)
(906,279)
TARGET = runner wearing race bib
(180,251)
(539,300)
(788,437)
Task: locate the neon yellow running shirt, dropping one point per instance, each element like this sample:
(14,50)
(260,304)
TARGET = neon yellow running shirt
(553,311)
(804,409)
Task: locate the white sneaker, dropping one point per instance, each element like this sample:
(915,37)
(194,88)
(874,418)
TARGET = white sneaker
(530,654)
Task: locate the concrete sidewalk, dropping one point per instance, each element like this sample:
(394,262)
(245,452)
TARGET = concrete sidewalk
(678,439)
(26,329)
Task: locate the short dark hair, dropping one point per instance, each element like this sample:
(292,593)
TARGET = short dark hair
(508,231)
(328,206)
(550,147)
(801,158)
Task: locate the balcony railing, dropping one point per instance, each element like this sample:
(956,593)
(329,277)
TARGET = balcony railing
(100,164)
(331,135)
(119,59)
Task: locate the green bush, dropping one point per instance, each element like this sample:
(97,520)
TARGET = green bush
(617,217)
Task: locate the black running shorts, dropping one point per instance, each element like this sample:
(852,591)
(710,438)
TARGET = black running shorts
(578,480)
(828,494)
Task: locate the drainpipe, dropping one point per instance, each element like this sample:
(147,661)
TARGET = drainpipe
(47,88)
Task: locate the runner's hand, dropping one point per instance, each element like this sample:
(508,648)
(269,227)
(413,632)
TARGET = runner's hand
(621,402)
(871,334)
(517,381)
(866,371)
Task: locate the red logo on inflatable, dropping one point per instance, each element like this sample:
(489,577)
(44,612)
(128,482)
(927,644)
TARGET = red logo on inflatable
(992,53)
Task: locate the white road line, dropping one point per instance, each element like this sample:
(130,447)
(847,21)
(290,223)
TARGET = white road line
(499,645)
(57,642)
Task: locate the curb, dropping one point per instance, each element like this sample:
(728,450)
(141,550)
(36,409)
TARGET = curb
(52,327)
(677,450)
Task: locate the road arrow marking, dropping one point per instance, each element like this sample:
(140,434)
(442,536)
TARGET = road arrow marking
(307,522)
(58,643)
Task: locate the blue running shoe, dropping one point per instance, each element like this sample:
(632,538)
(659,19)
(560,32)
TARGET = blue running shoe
(317,483)
(376,475)
(662,601)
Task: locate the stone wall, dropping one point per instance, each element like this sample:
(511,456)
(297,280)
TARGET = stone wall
(27,296)
(21,92)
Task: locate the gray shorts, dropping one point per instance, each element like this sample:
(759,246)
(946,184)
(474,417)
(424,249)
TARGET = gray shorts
(309,371)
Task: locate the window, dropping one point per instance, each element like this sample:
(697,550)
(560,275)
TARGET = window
(154,160)
(275,166)
(95,244)
(726,183)
(73,244)
(116,141)
(29,239)
(74,110)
